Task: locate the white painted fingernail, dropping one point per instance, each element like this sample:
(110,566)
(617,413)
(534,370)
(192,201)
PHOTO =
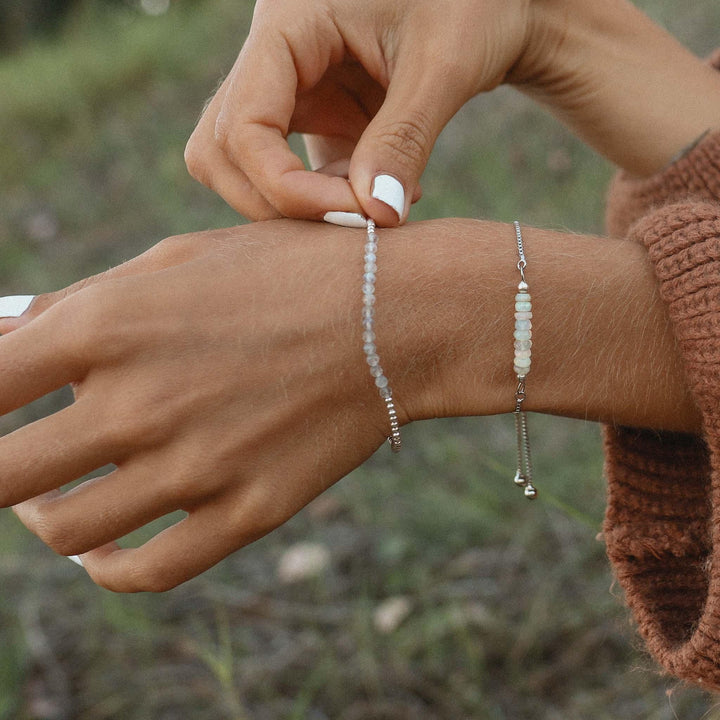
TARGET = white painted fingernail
(389,190)
(14,305)
(346,219)
(76,559)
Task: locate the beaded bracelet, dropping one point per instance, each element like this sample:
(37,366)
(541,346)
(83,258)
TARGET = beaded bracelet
(368,318)
(521,366)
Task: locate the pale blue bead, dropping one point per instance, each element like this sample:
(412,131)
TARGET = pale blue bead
(372,237)
(523,344)
(520,371)
(522,362)
(522,354)
(369,348)
(368,336)
(370,257)
(385,392)
(381,381)
(371,247)
(368,325)
(523,325)
(370,267)
(372,360)
(522,334)
(368,300)
(523,307)
(376,371)
(368,288)
(367,312)
(522,297)
(369,277)
(523,316)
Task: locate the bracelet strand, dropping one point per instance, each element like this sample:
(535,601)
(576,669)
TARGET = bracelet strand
(369,347)
(521,366)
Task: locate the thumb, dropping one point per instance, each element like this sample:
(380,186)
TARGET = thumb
(392,153)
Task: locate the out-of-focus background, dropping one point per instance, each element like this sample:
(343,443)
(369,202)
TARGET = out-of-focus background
(421,586)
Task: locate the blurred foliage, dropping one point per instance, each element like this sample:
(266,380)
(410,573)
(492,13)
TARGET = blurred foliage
(509,608)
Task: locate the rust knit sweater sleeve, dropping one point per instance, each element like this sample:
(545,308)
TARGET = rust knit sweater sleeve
(662,526)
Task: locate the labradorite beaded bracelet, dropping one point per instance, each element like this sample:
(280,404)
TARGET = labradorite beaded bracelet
(368,318)
(521,366)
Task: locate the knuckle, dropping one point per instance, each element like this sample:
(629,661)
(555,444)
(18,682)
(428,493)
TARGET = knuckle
(195,160)
(131,576)
(128,428)
(149,578)
(43,523)
(88,324)
(409,140)
(222,130)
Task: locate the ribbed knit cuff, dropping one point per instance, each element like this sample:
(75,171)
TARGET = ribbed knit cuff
(694,176)
(662,526)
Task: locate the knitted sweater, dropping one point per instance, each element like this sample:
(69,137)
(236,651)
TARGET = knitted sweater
(662,526)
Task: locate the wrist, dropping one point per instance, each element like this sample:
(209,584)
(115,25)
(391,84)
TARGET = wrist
(610,73)
(445,312)
(445,291)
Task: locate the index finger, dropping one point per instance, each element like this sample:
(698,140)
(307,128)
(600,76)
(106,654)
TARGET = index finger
(253,123)
(38,358)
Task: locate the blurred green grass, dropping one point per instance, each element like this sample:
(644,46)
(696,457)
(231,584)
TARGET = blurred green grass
(511,611)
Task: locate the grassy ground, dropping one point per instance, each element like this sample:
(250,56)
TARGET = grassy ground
(503,610)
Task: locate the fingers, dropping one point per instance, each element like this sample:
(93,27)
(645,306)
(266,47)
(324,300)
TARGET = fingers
(208,164)
(18,310)
(54,451)
(393,151)
(38,359)
(175,555)
(103,509)
(239,148)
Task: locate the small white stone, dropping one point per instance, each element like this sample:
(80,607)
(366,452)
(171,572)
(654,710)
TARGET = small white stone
(522,362)
(522,334)
(523,307)
(523,325)
(302,561)
(523,297)
(523,316)
(390,614)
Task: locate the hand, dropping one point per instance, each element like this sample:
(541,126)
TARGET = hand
(221,373)
(372,84)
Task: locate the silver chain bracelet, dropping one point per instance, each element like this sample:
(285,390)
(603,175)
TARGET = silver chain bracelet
(521,366)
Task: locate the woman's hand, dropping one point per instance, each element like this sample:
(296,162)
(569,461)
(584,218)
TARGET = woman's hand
(222,374)
(372,84)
